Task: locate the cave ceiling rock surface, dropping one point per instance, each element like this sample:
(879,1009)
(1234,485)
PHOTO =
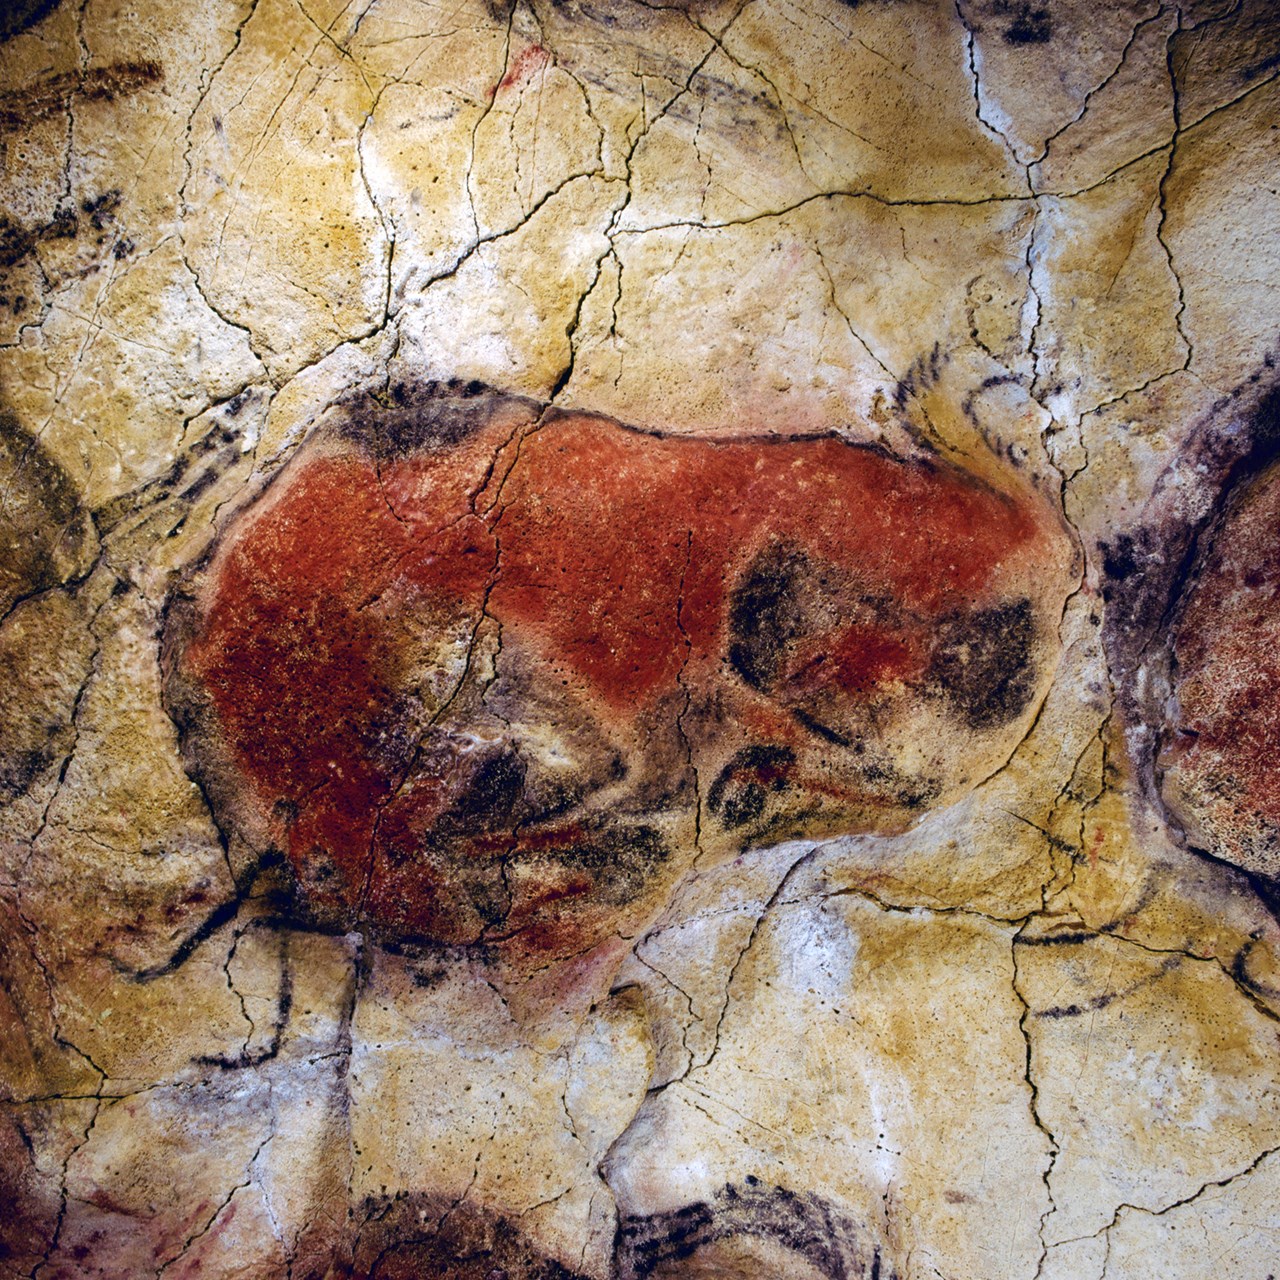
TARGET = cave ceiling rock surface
(638,640)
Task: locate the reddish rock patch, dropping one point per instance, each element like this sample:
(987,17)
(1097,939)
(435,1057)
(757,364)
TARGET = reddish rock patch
(1219,757)
(527,63)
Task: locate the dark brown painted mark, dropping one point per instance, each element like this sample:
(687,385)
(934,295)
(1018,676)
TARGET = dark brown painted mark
(46,536)
(1019,22)
(739,793)
(19,107)
(982,662)
(1031,24)
(413,1236)
(797,1229)
(1101,1001)
(755,611)
(19,15)
(18,242)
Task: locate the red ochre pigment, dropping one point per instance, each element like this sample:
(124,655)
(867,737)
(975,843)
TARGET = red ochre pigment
(604,530)
(608,558)
(1226,740)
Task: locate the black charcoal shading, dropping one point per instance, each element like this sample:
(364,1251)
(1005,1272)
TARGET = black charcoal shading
(812,1229)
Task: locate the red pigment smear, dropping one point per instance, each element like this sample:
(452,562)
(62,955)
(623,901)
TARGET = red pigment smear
(300,657)
(530,59)
(1228,669)
(857,659)
(602,528)
(618,554)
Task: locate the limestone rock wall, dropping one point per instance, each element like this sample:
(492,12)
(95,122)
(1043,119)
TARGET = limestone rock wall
(637,639)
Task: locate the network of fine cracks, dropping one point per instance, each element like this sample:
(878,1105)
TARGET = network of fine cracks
(387,320)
